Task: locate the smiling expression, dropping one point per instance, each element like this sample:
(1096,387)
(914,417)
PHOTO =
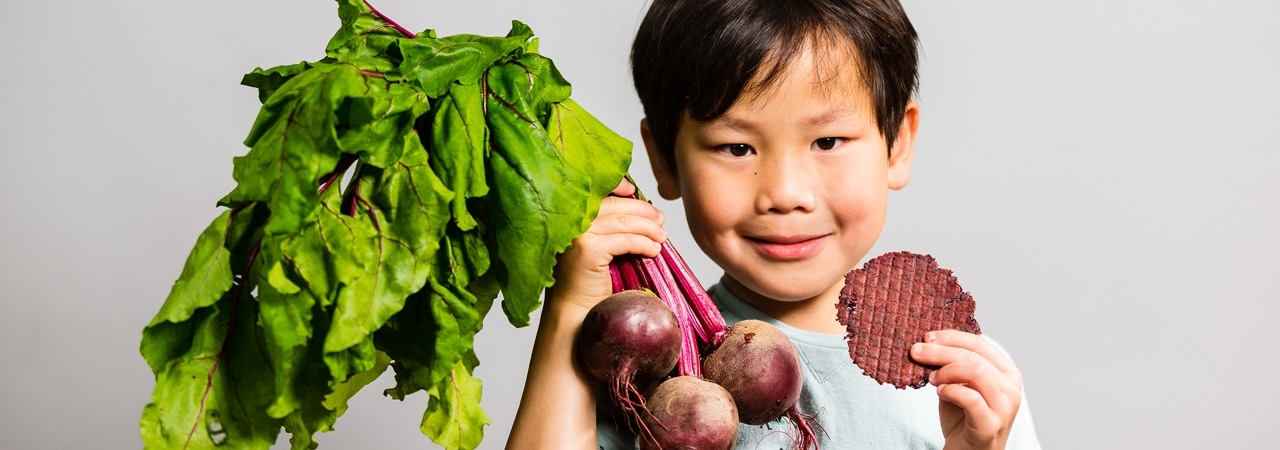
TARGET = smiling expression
(787,190)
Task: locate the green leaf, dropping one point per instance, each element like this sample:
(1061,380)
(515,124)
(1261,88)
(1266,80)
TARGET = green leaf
(362,33)
(214,394)
(277,279)
(286,318)
(438,324)
(459,135)
(376,126)
(454,418)
(227,242)
(590,147)
(293,143)
(414,204)
(330,252)
(398,268)
(408,209)
(538,201)
(435,64)
(164,342)
(303,271)
(535,79)
(205,276)
(453,309)
(308,384)
(409,339)
(269,80)
(342,392)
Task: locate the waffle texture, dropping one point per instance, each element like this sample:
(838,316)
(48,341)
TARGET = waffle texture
(890,303)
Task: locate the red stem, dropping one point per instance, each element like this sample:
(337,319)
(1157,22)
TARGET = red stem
(615,275)
(689,362)
(392,23)
(343,164)
(670,278)
(353,194)
(709,319)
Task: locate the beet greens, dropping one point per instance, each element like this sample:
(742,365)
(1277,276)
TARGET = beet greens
(470,170)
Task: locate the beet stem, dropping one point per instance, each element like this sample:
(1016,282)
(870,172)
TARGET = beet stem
(341,168)
(615,275)
(392,23)
(689,362)
(670,278)
(703,308)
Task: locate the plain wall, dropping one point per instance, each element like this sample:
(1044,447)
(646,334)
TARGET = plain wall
(1101,175)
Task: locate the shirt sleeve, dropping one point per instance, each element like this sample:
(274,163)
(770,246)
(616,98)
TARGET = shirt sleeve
(612,434)
(1023,434)
(610,438)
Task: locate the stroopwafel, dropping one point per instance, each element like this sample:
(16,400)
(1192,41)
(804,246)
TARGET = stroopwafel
(890,303)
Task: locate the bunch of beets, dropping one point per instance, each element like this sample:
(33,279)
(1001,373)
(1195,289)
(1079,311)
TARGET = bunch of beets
(644,343)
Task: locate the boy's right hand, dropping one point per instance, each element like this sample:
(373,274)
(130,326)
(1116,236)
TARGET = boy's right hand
(623,226)
(557,409)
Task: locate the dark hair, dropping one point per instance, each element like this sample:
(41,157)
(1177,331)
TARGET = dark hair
(697,56)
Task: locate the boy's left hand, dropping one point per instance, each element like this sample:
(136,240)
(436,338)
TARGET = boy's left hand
(979,388)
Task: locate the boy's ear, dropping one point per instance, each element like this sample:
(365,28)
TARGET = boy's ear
(904,147)
(668,183)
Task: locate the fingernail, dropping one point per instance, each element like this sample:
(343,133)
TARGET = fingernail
(917,348)
(930,337)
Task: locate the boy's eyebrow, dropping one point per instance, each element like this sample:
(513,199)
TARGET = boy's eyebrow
(731,123)
(736,124)
(826,117)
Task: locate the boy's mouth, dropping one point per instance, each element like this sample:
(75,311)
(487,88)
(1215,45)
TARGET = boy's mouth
(787,247)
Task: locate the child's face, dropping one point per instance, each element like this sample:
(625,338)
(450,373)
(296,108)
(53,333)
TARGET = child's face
(787,190)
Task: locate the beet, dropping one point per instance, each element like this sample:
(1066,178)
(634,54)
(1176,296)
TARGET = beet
(630,338)
(760,368)
(689,413)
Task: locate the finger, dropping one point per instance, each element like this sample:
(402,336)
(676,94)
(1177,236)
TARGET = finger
(624,189)
(615,207)
(627,224)
(1001,390)
(975,343)
(603,247)
(984,424)
(998,391)
(623,205)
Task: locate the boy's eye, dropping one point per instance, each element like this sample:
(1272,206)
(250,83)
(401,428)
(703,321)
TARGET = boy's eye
(738,150)
(827,143)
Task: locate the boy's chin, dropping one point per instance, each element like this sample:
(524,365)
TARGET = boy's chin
(782,289)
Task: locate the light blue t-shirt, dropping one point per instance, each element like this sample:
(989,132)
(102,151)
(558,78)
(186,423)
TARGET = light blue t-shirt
(851,410)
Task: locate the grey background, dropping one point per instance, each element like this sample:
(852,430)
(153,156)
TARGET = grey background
(1102,175)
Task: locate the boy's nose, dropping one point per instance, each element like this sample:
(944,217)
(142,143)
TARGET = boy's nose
(785,184)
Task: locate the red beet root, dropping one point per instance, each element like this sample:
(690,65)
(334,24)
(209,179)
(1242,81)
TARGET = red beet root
(629,338)
(688,413)
(760,368)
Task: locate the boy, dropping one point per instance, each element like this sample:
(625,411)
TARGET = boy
(781,125)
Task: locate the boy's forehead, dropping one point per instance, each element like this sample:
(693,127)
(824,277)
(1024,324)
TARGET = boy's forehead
(828,67)
(824,72)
